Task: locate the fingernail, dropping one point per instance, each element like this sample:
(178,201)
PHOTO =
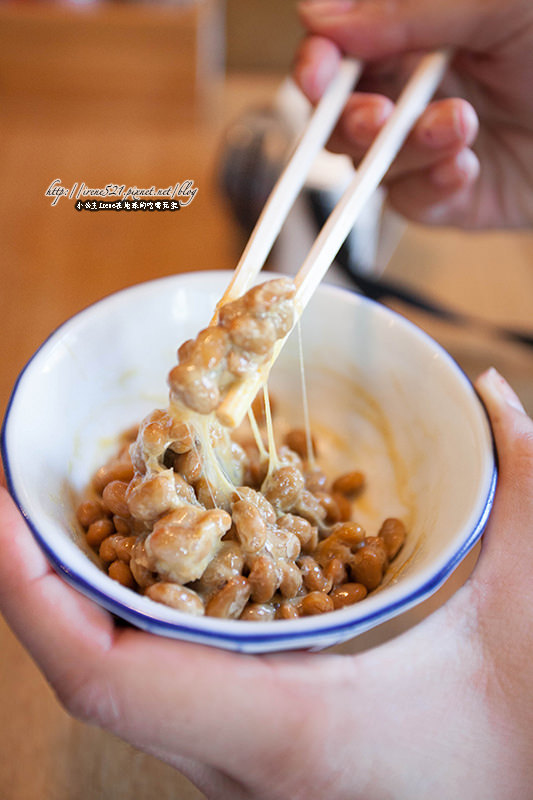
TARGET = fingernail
(364,123)
(498,388)
(460,169)
(440,128)
(467,122)
(315,77)
(433,132)
(326,8)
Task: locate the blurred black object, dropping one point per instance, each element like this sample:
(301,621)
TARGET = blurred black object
(254,151)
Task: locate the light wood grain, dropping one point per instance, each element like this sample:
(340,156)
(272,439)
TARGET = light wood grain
(488,274)
(157,57)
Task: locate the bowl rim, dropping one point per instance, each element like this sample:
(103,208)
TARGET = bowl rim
(238,636)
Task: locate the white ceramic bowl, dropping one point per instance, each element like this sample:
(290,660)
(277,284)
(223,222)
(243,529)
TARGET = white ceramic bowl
(384,397)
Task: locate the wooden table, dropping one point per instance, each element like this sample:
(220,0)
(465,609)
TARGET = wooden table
(56,261)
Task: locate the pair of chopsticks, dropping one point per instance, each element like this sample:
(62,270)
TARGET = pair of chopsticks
(379,157)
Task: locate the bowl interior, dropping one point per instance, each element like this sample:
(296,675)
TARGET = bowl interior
(383,398)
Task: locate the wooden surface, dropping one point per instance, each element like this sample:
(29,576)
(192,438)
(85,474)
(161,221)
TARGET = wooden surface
(276,22)
(56,261)
(158,57)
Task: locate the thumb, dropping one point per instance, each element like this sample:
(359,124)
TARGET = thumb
(382,28)
(508,542)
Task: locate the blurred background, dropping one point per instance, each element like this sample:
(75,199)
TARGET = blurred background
(152,94)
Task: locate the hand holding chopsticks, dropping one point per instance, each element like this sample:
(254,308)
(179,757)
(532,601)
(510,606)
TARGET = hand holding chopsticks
(292,179)
(370,172)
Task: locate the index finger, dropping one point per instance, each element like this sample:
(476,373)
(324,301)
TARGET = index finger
(382,28)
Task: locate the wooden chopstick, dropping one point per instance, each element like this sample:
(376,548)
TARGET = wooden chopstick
(412,101)
(312,140)
(379,157)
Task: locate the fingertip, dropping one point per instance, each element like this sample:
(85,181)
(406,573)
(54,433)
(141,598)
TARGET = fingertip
(497,393)
(506,543)
(321,10)
(511,426)
(447,123)
(468,121)
(365,116)
(316,63)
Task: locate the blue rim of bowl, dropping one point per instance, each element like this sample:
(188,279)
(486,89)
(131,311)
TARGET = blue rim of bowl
(146,621)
